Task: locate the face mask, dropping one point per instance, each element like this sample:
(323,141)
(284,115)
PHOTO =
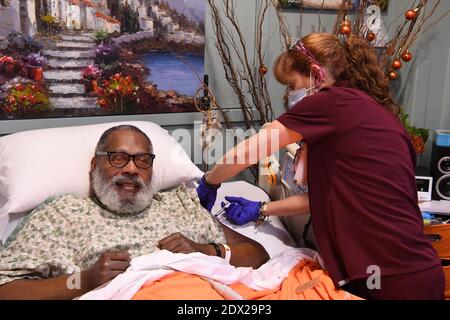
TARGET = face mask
(295,96)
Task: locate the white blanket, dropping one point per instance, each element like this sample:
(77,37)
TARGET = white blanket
(147,269)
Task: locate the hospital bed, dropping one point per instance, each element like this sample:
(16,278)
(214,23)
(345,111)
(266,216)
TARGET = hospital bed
(40,164)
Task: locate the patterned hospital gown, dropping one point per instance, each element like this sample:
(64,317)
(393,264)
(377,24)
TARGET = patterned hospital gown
(69,234)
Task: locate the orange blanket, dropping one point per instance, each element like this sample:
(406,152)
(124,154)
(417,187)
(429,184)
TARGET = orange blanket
(305,282)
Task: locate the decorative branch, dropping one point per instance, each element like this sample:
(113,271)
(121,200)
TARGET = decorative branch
(407,33)
(245,71)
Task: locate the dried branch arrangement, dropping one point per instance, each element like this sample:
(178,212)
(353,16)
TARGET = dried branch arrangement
(396,51)
(244,68)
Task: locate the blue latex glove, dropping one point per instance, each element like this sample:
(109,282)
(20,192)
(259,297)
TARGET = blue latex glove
(207,194)
(241,210)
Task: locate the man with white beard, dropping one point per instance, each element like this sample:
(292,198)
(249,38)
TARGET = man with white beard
(124,218)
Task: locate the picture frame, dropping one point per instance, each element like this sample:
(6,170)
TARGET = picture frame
(325,4)
(84,58)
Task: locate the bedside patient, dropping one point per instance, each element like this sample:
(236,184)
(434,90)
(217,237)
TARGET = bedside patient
(122,219)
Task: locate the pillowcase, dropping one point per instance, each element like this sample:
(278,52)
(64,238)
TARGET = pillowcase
(39,164)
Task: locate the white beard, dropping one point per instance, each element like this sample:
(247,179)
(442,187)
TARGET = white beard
(108,196)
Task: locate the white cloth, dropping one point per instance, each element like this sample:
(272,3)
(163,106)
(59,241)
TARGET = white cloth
(147,269)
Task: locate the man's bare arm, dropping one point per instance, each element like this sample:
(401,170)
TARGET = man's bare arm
(48,289)
(108,266)
(244,251)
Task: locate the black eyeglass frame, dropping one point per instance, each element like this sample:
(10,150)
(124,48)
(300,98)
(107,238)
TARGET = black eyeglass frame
(130,157)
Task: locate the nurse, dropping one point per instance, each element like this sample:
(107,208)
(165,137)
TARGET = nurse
(361,171)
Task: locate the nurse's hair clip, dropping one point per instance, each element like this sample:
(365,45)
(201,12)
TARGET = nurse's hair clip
(300,47)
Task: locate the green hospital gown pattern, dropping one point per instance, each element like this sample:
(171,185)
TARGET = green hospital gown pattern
(69,234)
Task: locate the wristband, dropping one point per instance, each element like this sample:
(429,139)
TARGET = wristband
(217,248)
(227,252)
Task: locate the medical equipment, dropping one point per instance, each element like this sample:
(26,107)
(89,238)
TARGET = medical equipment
(299,225)
(424,188)
(290,186)
(222,211)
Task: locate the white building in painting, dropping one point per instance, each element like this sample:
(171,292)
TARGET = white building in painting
(173,26)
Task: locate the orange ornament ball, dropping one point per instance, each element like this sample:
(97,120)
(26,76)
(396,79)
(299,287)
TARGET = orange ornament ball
(390,50)
(371,36)
(397,64)
(393,75)
(411,15)
(263,70)
(407,56)
(346,29)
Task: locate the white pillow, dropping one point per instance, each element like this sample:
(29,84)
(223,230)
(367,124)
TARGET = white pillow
(38,164)
(273,236)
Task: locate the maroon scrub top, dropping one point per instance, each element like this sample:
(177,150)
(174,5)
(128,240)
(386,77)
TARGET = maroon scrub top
(362,189)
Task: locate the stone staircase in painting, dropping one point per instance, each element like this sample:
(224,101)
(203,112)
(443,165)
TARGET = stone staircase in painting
(67,58)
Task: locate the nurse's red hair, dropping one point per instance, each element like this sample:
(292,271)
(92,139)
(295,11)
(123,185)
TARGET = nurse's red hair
(354,60)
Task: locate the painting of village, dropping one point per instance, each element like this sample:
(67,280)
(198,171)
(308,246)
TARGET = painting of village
(327,4)
(74,58)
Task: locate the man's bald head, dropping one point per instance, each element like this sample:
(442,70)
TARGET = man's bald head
(102,144)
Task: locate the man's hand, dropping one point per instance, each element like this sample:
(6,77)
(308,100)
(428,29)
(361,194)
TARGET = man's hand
(108,266)
(177,243)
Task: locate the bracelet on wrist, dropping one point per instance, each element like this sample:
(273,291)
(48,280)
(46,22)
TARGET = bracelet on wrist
(262,214)
(217,248)
(210,185)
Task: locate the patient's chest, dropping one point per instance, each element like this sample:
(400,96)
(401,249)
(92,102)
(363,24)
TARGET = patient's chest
(95,231)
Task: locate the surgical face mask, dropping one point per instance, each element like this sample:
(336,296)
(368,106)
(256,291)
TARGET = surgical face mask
(295,96)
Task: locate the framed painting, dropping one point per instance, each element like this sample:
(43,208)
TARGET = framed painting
(75,58)
(327,4)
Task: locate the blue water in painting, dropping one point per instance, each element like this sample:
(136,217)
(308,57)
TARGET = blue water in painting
(171,72)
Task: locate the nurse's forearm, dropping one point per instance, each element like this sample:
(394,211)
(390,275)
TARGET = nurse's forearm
(269,140)
(294,205)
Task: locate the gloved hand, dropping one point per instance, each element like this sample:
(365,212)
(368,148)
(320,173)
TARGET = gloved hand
(241,210)
(207,194)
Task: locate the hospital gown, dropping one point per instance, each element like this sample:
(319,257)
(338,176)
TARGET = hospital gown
(69,233)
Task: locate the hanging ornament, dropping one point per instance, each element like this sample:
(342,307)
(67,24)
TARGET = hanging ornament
(262,70)
(397,64)
(346,27)
(371,36)
(407,56)
(411,14)
(393,75)
(390,50)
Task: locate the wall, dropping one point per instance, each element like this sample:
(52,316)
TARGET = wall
(424,86)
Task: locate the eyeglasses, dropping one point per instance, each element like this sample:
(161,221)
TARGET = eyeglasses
(121,159)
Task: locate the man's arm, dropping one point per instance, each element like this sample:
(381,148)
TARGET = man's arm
(108,266)
(48,289)
(245,252)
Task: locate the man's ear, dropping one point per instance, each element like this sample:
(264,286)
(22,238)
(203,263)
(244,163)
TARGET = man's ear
(93,163)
